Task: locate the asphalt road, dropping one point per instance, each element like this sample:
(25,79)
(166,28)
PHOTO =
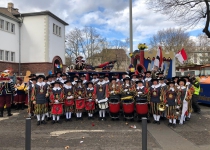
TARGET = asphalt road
(105,135)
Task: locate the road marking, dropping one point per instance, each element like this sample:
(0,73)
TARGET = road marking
(5,118)
(58,133)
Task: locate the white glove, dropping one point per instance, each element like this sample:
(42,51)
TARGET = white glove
(15,89)
(166,105)
(106,98)
(96,100)
(175,100)
(126,90)
(139,92)
(177,107)
(56,101)
(79,97)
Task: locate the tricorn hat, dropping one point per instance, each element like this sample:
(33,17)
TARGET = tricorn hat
(181,80)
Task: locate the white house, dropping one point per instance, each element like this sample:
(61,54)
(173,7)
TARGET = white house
(35,41)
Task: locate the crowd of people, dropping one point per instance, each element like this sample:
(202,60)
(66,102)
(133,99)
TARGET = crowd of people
(53,96)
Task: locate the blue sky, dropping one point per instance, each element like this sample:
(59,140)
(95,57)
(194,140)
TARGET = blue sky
(109,17)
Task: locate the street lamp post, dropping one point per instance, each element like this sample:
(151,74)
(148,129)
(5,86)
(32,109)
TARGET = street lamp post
(131,26)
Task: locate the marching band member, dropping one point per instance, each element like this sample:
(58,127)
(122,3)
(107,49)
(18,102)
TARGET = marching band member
(32,82)
(101,99)
(19,99)
(76,78)
(141,78)
(106,79)
(163,86)
(170,101)
(69,99)
(80,94)
(191,88)
(142,96)
(114,89)
(148,79)
(94,79)
(80,64)
(184,95)
(49,89)
(58,76)
(90,101)
(63,76)
(155,94)
(175,79)
(38,96)
(84,81)
(117,77)
(6,91)
(134,78)
(56,99)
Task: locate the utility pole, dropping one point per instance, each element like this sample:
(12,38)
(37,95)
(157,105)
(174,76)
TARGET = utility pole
(131,26)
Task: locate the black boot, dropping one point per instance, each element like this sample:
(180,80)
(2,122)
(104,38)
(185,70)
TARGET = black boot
(22,106)
(1,112)
(9,111)
(17,106)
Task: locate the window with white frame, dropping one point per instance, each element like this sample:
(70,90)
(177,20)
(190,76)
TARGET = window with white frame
(6,55)
(1,55)
(7,27)
(54,28)
(12,56)
(1,24)
(12,28)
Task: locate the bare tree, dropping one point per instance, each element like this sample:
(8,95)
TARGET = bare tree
(185,12)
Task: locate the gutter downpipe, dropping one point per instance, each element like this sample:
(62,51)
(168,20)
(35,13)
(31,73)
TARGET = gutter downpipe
(19,64)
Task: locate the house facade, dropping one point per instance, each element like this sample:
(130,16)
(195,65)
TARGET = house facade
(38,41)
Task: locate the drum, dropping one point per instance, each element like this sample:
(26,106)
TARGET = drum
(90,105)
(141,108)
(69,102)
(128,107)
(103,105)
(80,103)
(114,107)
(57,109)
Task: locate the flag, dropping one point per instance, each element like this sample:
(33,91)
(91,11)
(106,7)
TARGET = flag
(159,59)
(181,56)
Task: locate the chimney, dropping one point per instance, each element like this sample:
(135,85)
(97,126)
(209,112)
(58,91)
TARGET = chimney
(10,6)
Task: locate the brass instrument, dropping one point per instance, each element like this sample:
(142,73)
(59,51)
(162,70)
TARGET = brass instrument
(161,106)
(177,111)
(127,98)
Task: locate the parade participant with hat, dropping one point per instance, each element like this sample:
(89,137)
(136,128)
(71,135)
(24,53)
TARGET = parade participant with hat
(116,75)
(80,93)
(192,89)
(6,91)
(19,98)
(124,75)
(69,99)
(184,95)
(106,78)
(142,94)
(127,88)
(134,78)
(155,94)
(148,78)
(56,99)
(32,82)
(75,79)
(114,89)
(90,99)
(38,96)
(64,77)
(101,99)
(58,76)
(94,78)
(175,79)
(84,81)
(170,97)
(80,64)
(141,78)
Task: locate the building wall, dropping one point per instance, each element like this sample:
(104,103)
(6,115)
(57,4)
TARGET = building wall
(10,41)
(33,39)
(56,42)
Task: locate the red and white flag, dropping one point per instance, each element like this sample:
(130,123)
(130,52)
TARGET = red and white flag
(159,59)
(181,56)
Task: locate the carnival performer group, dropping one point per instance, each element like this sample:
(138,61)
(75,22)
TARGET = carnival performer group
(130,96)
